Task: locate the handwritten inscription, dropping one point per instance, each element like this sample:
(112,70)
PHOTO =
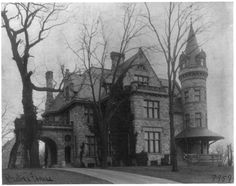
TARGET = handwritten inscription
(222,178)
(29,178)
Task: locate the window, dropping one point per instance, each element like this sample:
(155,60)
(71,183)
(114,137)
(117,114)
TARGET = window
(141,67)
(198,119)
(197,94)
(67,93)
(186,95)
(90,145)
(67,138)
(187,120)
(88,112)
(57,118)
(51,118)
(152,109)
(142,79)
(152,142)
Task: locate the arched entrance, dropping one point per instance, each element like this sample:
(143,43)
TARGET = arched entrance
(50,152)
(67,154)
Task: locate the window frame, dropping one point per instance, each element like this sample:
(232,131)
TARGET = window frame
(198,119)
(197,94)
(67,92)
(90,146)
(141,79)
(186,95)
(152,141)
(187,119)
(88,113)
(150,108)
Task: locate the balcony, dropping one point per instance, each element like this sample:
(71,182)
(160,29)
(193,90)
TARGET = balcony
(203,159)
(136,86)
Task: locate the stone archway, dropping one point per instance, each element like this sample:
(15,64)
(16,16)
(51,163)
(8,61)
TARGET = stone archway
(50,156)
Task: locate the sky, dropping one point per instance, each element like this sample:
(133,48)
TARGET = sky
(54,51)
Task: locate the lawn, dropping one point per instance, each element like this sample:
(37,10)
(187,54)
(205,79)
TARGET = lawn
(186,174)
(46,176)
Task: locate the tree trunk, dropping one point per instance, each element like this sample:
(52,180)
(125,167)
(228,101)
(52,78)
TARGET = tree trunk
(31,152)
(104,145)
(13,155)
(173,152)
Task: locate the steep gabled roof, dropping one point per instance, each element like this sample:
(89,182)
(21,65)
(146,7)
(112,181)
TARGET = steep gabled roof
(81,85)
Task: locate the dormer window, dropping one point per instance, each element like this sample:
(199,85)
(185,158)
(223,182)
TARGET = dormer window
(107,87)
(88,112)
(67,93)
(143,80)
(202,61)
(67,117)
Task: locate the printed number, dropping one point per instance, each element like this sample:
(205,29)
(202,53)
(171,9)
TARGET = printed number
(221,178)
(229,178)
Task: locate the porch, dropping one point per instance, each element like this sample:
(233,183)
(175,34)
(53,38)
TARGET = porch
(203,159)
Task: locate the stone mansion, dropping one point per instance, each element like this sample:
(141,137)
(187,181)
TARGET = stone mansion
(144,139)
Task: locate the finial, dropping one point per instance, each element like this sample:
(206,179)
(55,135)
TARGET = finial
(191,21)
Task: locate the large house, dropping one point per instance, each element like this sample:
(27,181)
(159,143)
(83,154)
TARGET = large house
(139,134)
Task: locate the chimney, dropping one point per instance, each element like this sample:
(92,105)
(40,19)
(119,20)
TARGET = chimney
(115,58)
(49,84)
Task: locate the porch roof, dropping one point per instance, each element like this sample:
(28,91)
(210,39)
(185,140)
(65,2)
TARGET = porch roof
(199,132)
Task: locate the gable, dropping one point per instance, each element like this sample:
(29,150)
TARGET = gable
(141,67)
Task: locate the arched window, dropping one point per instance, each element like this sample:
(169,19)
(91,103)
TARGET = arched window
(67,138)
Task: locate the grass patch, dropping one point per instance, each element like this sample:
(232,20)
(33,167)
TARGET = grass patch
(186,174)
(46,176)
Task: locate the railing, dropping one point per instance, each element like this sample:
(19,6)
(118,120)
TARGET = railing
(203,158)
(136,85)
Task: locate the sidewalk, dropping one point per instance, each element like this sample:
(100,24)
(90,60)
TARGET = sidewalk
(117,177)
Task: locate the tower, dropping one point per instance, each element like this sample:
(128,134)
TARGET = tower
(193,75)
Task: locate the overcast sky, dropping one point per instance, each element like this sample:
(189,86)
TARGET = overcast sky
(53,50)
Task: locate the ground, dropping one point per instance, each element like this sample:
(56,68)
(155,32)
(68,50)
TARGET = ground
(186,174)
(46,176)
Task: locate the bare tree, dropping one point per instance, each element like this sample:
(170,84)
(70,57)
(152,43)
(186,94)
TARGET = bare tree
(93,52)
(170,39)
(26,25)
(7,124)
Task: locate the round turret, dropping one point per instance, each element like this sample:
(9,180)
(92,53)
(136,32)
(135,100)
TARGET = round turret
(192,75)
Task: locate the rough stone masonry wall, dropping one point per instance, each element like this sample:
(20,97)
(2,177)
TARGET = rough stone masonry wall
(148,124)
(191,106)
(80,131)
(58,136)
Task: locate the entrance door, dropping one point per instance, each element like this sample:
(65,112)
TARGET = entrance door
(67,154)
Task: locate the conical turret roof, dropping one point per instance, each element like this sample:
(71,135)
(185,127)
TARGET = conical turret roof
(192,45)
(192,48)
